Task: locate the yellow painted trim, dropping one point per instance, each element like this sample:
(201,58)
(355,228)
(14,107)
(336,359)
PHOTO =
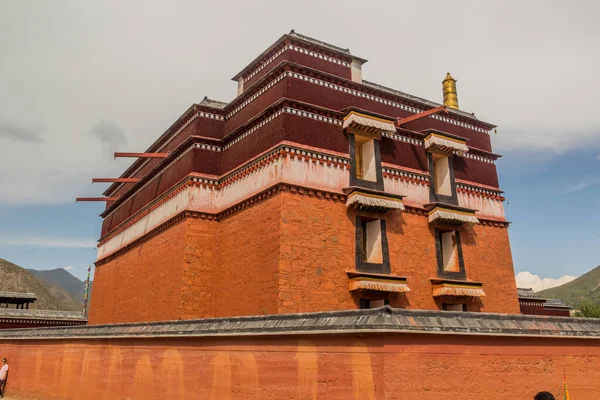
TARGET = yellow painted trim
(470,213)
(375,196)
(445,138)
(458,285)
(380,280)
(369,117)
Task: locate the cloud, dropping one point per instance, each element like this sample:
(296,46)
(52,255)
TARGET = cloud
(110,134)
(59,243)
(526,279)
(68,268)
(545,141)
(582,185)
(10,130)
(64,164)
(110,71)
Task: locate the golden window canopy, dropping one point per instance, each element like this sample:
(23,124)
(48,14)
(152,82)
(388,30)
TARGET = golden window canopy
(450,215)
(445,143)
(372,200)
(364,281)
(451,288)
(368,123)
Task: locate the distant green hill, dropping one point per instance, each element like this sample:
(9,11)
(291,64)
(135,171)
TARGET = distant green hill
(586,287)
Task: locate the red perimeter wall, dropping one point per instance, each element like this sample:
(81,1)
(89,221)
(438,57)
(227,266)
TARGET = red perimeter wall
(370,366)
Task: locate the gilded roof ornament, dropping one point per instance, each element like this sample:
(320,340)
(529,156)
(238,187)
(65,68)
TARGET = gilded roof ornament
(449,90)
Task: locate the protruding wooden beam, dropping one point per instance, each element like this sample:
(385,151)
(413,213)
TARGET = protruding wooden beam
(141,155)
(117,180)
(78,199)
(424,114)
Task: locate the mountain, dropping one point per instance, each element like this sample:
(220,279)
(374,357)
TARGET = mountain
(64,279)
(586,287)
(49,297)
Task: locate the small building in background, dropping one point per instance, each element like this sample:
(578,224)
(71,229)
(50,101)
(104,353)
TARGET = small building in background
(16,300)
(15,313)
(557,308)
(532,304)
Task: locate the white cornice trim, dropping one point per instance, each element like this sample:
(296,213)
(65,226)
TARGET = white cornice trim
(299,49)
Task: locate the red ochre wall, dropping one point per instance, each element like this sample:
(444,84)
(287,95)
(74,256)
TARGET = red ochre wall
(197,268)
(318,247)
(288,253)
(198,277)
(246,275)
(142,284)
(370,366)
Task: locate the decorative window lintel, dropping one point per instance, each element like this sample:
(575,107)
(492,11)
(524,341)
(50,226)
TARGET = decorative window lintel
(361,281)
(440,213)
(455,288)
(445,143)
(372,200)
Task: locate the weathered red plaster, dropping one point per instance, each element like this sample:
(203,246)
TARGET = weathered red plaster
(372,366)
(287,253)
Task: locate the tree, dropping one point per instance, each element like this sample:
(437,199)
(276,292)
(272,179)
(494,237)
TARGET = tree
(588,309)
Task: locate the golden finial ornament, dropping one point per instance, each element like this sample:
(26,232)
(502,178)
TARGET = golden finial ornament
(449,88)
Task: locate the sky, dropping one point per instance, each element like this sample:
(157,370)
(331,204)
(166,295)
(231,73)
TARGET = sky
(79,80)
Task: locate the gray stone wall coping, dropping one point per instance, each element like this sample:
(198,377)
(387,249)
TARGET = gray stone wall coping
(378,320)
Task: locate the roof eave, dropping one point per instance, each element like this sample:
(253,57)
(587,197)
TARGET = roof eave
(457,113)
(300,39)
(261,55)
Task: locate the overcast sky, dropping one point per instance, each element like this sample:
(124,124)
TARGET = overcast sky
(80,79)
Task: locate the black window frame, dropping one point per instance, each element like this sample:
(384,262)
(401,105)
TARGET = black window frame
(435,197)
(445,306)
(364,183)
(461,274)
(365,304)
(364,266)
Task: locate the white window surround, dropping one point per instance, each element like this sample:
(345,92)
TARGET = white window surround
(240,88)
(368,161)
(372,251)
(441,175)
(366,167)
(450,251)
(356,71)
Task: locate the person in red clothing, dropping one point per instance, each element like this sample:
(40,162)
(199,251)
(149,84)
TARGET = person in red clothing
(3,375)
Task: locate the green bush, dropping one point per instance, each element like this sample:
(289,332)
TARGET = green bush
(588,309)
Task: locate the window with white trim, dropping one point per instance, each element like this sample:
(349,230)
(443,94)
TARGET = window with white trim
(366,167)
(372,251)
(449,247)
(441,174)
